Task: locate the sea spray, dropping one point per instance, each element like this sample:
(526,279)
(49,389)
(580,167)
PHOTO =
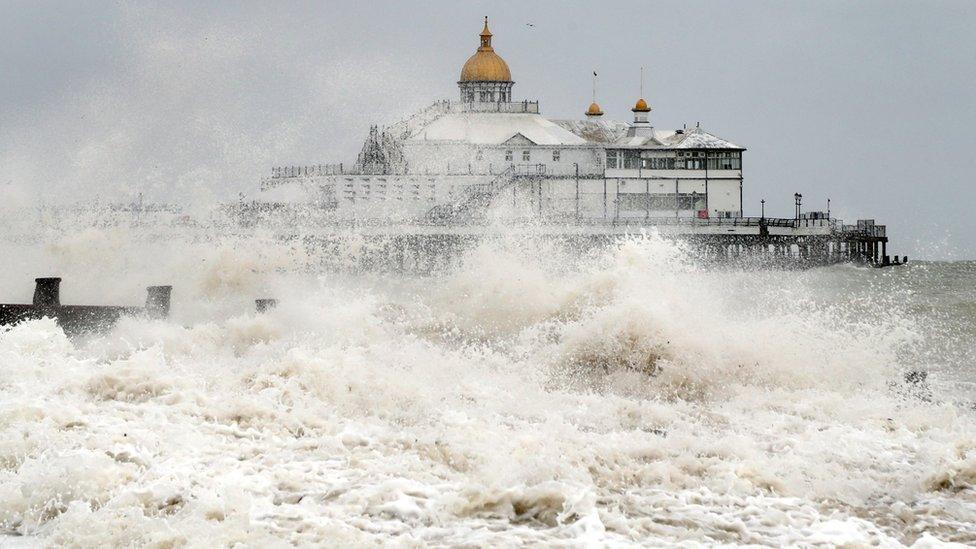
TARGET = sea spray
(532,394)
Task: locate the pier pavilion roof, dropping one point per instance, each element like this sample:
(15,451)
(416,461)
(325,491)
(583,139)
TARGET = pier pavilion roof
(495,129)
(692,138)
(608,132)
(595,131)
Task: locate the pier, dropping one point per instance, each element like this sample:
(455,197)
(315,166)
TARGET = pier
(745,242)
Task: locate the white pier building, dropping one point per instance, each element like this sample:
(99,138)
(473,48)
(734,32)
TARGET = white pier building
(447,162)
(440,172)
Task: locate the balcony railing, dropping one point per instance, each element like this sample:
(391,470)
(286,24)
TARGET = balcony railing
(282,172)
(518,107)
(698,221)
(530,169)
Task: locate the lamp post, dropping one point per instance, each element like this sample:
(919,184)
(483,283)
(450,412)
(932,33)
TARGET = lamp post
(828,208)
(576,165)
(763,203)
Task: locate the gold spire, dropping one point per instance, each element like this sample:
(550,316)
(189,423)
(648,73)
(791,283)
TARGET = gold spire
(485,65)
(485,37)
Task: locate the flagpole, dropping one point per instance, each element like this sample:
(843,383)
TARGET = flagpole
(594,86)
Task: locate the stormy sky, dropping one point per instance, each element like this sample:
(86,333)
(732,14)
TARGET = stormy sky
(870,104)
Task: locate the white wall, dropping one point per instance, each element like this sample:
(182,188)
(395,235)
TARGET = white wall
(462,158)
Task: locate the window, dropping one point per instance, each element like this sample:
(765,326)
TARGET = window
(644,201)
(612,160)
(632,201)
(508,156)
(555,155)
(724,160)
(657,163)
(692,201)
(526,156)
(693,160)
(631,160)
(660,201)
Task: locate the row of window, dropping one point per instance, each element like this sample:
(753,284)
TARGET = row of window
(631,160)
(670,201)
(398,191)
(526,156)
(488,96)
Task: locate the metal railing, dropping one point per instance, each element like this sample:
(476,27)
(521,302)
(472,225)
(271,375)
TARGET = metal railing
(863,229)
(697,221)
(528,107)
(530,169)
(283,172)
(472,194)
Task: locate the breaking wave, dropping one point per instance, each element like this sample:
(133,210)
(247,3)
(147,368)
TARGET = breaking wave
(530,395)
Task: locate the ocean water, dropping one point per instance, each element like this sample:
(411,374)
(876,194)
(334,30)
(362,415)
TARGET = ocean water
(524,396)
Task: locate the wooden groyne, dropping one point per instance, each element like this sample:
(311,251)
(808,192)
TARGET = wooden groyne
(77,319)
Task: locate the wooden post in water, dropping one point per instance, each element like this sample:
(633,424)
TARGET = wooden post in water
(157,301)
(47,292)
(265,305)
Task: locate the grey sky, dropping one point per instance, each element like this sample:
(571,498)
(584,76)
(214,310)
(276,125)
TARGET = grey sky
(868,103)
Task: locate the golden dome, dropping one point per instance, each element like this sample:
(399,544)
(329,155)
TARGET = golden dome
(594,110)
(485,65)
(641,106)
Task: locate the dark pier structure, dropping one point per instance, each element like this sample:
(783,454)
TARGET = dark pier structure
(783,241)
(745,241)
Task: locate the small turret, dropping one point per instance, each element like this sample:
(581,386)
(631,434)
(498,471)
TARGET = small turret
(641,112)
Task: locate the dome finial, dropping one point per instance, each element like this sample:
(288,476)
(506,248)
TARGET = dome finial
(485,37)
